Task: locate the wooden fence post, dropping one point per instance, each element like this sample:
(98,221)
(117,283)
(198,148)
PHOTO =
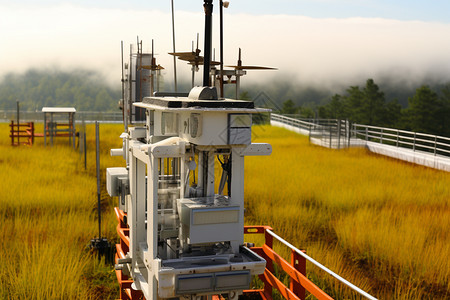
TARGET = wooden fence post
(299,263)
(32,132)
(269,263)
(11,130)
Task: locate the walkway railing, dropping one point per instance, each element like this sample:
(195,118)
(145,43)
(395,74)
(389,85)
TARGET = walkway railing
(304,123)
(339,133)
(431,144)
(296,270)
(333,133)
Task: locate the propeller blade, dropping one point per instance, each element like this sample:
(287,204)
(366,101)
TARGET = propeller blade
(181,53)
(154,67)
(251,68)
(201,62)
(191,57)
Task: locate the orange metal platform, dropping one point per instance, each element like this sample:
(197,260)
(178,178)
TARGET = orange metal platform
(295,270)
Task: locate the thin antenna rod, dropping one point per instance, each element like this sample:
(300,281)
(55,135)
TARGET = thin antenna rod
(139,57)
(130,96)
(124,108)
(97,150)
(221,49)
(208,6)
(18,124)
(239,58)
(137,37)
(152,70)
(238,76)
(174,58)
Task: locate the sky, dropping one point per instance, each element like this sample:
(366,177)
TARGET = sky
(309,41)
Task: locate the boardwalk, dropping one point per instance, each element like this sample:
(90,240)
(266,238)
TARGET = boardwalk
(422,149)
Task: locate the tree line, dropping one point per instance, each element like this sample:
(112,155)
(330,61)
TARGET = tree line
(85,90)
(427,111)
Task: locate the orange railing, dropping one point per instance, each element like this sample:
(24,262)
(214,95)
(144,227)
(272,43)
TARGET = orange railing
(126,292)
(299,284)
(21,130)
(296,270)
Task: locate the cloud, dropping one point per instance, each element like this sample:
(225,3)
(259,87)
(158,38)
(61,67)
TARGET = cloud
(308,50)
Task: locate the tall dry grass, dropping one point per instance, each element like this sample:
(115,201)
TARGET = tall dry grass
(381,223)
(48,213)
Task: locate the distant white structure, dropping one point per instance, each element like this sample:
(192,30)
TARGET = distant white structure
(55,124)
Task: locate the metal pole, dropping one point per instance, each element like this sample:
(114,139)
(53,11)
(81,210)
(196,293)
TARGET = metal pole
(18,126)
(97,150)
(208,6)
(84,145)
(130,98)
(349,128)
(124,108)
(45,129)
(52,129)
(339,134)
(331,129)
(152,77)
(435,145)
(174,58)
(398,136)
(238,75)
(221,49)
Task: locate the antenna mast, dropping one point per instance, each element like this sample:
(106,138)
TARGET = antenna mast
(221,49)
(124,103)
(174,58)
(208,6)
(152,70)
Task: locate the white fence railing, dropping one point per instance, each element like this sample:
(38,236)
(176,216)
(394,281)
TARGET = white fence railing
(338,133)
(431,144)
(322,267)
(304,123)
(333,133)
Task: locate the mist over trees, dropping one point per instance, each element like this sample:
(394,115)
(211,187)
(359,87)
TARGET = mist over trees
(427,111)
(366,105)
(424,108)
(85,90)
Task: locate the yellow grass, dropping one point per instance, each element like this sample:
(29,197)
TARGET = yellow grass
(381,223)
(48,213)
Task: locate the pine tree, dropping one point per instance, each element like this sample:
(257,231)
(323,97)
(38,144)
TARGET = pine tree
(423,113)
(373,105)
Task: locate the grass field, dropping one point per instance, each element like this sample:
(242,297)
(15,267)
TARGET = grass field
(380,223)
(48,213)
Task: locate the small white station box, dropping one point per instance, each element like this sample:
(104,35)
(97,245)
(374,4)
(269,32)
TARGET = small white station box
(113,175)
(209,222)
